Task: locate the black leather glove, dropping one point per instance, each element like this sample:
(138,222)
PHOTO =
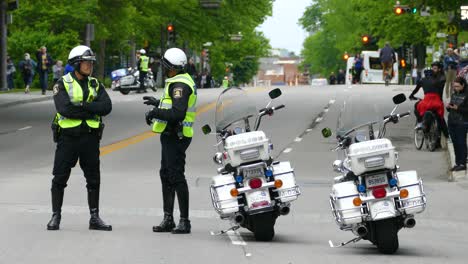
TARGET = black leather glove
(148,118)
(150,100)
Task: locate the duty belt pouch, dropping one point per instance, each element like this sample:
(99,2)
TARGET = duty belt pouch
(100,130)
(55,130)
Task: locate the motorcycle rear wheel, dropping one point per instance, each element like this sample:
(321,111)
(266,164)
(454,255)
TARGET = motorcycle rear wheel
(263,226)
(386,236)
(124,92)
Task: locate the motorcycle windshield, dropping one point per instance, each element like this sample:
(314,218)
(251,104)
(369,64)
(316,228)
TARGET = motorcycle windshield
(235,111)
(357,111)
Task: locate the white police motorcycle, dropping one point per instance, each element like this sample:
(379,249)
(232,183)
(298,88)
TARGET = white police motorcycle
(371,197)
(251,189)
(130,82)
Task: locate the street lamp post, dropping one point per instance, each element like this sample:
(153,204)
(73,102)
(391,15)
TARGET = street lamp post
(3,44)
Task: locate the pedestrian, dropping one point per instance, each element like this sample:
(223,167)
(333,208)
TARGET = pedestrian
(142,65)
(414,75)
(27,67)
(173,118)
(10,73)
(450,68)
(44,65)
(332,78)
(81,101)
(191,69)
(226,82)
(458,121)
(358,67)
(57,69)
(341,79)
(387,59)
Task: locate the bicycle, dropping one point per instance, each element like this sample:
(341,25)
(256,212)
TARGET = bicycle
(429,132)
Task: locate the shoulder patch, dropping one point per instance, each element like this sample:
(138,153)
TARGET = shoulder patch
(177,93)
(55,89)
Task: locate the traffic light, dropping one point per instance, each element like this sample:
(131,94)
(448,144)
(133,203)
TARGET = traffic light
(365,39)
(414,10)
(403,63)
(404,9)
(345,56)
(398,10)
(171,35)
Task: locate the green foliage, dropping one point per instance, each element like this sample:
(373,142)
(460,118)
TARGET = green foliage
(61,25)
(339,25)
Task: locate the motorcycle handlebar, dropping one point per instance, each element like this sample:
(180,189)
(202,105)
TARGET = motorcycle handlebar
(278,107)
(404,114)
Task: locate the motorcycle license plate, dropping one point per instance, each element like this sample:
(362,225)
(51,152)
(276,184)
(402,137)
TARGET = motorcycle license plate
(288,192)
(252,172)
(258,199)
(376,180)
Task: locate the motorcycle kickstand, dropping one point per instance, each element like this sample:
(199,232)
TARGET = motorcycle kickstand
(354,240)
(233,228)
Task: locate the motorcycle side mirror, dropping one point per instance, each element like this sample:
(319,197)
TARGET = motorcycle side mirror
(275,93)
(399,98)
(326,132)
(206,129)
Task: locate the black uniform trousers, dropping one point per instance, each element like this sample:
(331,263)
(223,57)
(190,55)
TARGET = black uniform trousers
(85,147)
(141,78)
(172,173)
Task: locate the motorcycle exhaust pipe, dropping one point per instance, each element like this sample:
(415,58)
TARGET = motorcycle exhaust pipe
(409,222)
(239,218)
(284,210)
(360,230)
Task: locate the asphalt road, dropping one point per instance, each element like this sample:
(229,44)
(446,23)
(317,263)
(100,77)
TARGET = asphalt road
(131,198)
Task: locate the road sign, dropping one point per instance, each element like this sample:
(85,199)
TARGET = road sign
(452,29)
(441,35)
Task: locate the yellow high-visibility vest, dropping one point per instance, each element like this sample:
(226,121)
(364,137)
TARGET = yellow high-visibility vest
(166,103)
(75,92)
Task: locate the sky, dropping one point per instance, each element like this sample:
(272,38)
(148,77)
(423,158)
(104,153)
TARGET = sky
(282,28)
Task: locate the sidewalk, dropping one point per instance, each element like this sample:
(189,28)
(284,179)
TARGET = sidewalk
(10,99)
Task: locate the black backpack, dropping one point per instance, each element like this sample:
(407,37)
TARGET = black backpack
(27,68)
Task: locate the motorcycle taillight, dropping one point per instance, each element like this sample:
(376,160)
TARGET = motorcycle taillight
(379,193)
(255,183)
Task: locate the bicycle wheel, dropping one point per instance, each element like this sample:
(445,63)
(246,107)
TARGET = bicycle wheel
(418,138)
(433,136)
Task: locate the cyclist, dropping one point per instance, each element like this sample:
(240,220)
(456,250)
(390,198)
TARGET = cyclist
(433,86)
(387,58)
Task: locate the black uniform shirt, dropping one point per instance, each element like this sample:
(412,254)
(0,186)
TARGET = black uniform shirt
(432,84)
(101,105)
(180,94)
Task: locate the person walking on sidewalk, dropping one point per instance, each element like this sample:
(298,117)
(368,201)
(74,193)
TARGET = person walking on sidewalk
(57,70)
(44,65)
(27,67)
(458,121)
(173,118)
(81,101)
(10,73)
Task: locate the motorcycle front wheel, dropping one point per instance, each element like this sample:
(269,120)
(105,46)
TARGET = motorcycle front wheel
(386,236)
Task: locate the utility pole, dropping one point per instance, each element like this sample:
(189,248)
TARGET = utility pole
(3,44)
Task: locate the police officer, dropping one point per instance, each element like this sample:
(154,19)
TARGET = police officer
(173,118)
(143,62)
(80,101)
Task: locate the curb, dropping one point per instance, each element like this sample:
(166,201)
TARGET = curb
(453,176)
(32,100)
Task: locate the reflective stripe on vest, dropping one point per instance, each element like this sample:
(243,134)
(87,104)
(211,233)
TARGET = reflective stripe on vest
(166,103)
(75,92)
(144,63)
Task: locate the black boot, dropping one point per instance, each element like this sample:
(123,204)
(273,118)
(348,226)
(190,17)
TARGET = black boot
(166,225)
(57,200)
(183,227)
(96,223)
(54,223)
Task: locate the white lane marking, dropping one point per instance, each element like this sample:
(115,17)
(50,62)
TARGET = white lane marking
(326,110)
(287,150)
(318,119)
(236,239)
(332,101)
(309,129)
(298,139)
(24,128)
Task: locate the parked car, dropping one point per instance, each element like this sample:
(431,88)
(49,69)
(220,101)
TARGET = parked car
(319,82)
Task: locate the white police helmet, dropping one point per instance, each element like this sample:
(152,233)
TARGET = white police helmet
(80,53)
(174,59)
(142,51)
